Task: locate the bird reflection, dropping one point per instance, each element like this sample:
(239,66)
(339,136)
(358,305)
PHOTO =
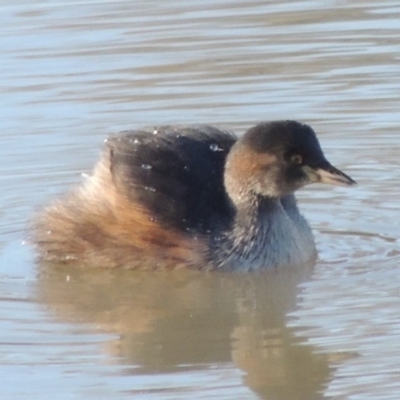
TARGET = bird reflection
(190,320)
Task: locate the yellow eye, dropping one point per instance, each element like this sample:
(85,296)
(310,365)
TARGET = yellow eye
(296,159)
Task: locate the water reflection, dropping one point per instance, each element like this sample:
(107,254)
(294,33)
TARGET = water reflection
(185,320)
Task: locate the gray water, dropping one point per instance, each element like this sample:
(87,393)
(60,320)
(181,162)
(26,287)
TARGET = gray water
(72,72)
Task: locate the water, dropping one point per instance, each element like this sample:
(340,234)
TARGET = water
(73,72)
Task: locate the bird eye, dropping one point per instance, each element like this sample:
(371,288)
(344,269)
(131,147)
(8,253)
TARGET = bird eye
(296,159)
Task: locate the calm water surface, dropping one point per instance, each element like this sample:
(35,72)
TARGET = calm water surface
(73,72)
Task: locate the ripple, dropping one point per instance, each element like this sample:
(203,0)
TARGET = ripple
(351,306)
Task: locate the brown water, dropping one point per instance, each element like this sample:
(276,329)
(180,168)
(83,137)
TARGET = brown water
(72,72)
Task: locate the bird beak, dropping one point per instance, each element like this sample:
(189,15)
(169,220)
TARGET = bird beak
(327,173)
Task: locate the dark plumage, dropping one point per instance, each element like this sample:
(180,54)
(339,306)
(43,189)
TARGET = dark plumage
(194,196)
(179,173)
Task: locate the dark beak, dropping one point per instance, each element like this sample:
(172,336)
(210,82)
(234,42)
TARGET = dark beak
(324,172)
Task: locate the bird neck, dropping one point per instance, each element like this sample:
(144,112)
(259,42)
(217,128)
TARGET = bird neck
(265,232)
(252,218)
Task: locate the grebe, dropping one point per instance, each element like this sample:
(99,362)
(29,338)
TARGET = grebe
(191,197)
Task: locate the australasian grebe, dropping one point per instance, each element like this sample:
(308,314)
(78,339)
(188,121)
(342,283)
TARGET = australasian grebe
(193,196)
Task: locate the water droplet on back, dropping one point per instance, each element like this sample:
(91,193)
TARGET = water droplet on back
(215,147)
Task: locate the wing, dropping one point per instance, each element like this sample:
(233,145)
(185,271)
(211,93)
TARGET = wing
(176,173)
